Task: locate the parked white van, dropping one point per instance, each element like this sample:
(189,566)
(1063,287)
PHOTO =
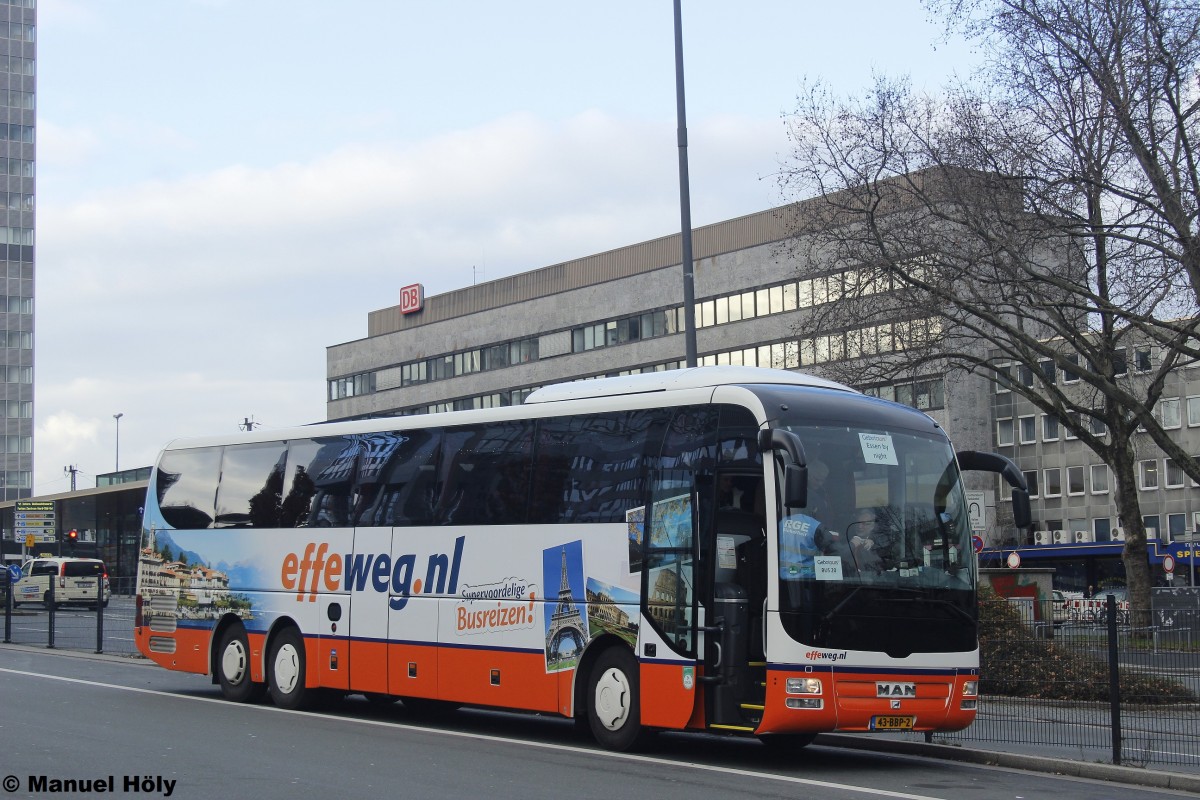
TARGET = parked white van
(75,581)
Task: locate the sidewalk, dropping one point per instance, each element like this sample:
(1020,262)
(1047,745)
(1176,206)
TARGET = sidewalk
(1180,777)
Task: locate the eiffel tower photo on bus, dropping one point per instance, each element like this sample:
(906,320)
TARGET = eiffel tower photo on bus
(566,629)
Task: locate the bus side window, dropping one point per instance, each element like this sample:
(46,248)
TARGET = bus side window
(187,486)
(298,483)
(485,473)
(251,485)
(409,482)
(328,473)
(590,468)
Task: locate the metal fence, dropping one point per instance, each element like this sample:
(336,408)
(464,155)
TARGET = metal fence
(1090,686)
(95,626)
(1106,683)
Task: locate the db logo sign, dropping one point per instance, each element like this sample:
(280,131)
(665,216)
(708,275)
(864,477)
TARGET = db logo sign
(412,298)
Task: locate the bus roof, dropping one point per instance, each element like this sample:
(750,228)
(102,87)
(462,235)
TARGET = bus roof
(689,378)
(682,381)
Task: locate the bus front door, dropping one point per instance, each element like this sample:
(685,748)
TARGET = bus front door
(733,593)
(667,644)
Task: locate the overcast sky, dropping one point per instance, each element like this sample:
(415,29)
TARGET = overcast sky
(228,187)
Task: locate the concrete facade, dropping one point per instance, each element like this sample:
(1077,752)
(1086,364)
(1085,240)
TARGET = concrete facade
(550,306)
(18,59)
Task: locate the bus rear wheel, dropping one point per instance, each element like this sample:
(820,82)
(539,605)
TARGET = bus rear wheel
(233,667)
(614,703)
(285,671)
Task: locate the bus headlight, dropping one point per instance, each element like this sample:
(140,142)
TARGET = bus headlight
(970,688)
(804,702)
(803,685)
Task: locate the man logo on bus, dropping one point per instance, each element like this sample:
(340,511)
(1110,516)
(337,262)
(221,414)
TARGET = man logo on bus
(320,570)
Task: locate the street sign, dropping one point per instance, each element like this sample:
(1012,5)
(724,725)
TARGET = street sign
(14,572)
(1168,564)
(1014,560)
(977,543)
(977,510)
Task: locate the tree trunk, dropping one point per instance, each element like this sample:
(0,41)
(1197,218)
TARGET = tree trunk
(1137,562)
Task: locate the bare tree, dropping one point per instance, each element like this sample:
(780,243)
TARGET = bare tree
(1042,215)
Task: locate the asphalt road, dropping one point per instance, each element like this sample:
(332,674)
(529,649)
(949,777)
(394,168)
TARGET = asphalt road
(74,718)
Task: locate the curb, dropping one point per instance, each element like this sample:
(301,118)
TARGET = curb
(1135,776)
(121,658)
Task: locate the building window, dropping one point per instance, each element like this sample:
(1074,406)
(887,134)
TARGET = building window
(1101,529)
(923,395)
(1031,481)
(1028,430)
(1097,426)
(18,409)
(1075,481)
(1049,428)
(1077,525)
(1052,484)
(1173,478)
(1168,412)
(1049,371)
(1004,432)
(1142,359)
(1148,475)
(1024,375)
(1120,361)
(1099,478)
(1003,378)
(1151,524)
(1070,375)
(1176,526)
(1193,411)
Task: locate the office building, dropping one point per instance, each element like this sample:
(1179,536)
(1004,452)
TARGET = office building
(18,62)
(620,312)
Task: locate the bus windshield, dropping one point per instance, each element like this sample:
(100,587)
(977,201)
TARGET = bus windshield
(884,537)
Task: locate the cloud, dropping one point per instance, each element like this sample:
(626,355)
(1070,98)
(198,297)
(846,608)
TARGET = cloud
(190,304)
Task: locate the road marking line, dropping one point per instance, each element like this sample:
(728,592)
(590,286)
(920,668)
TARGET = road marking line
(482,737)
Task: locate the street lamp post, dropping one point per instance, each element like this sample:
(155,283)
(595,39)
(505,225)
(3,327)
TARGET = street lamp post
(117,464)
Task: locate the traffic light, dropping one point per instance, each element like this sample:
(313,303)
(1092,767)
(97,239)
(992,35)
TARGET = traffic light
(72,537)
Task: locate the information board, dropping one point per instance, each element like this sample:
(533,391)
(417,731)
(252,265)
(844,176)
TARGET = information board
(35,518)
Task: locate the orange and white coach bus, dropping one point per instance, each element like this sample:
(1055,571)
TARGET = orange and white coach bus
(723,549)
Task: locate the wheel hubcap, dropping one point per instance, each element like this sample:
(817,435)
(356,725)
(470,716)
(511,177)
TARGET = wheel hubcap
(287,668)
(612,699)
(233,662)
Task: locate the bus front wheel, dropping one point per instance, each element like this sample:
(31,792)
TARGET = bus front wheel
(285,668)
(614,711)
(233,667)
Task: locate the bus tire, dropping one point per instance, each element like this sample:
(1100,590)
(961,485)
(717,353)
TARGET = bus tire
(233,667)
(285,671)
(613,700)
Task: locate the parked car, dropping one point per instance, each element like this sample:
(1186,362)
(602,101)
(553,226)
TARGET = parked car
(1120,592)
(1060,612)
(75,581)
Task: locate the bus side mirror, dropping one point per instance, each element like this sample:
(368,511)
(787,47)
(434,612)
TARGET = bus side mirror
(1022,516)
(795,486)
(795,468)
